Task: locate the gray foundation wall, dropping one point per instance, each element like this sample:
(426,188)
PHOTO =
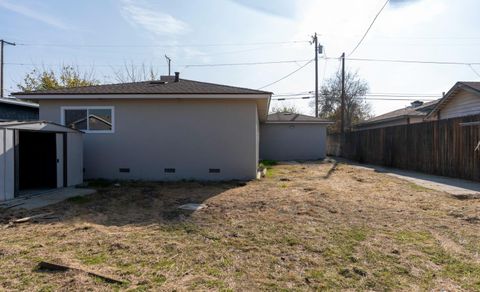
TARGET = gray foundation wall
(191,136)
(292,141)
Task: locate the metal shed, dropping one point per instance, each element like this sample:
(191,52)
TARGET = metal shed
(36,156)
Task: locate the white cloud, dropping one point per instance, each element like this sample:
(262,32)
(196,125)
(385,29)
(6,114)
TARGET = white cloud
(141,14)
(33,14)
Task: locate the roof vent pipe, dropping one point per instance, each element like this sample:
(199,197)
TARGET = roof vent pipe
(177,76)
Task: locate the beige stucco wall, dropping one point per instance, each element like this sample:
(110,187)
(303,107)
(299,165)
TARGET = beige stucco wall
(191,136)
(293,141)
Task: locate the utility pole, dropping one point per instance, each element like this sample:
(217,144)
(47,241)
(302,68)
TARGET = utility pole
(2,43)
(342,107)
(315,43)
(168,61)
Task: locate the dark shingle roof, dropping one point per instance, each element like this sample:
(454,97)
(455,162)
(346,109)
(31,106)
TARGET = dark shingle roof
(166,85)
(410,111)
(292,117)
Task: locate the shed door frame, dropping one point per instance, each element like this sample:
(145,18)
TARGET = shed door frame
(61,140)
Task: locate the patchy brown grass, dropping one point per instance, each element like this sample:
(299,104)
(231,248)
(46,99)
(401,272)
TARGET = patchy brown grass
(304,227)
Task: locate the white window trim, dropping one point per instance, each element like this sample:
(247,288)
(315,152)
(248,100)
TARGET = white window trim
(112,108)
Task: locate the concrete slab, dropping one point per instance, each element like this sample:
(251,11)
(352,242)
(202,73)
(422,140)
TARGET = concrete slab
(192,207)
(43,199)
(453,186)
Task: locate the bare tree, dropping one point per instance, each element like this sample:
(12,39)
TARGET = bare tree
(284,109)
(356,109)
(133,73)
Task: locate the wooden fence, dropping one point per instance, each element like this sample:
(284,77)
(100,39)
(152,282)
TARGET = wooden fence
(439,147)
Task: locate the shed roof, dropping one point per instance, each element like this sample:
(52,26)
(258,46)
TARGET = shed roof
(166,85)
(43,126)
(288,117)
(15,101)
(473,87)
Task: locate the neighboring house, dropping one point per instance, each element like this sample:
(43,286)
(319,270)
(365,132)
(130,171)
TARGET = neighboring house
(290,136)
(415,113)
(168,129)
(13,109)
(463,99)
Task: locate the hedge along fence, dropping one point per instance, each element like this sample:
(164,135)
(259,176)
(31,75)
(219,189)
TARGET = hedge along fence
(440,147)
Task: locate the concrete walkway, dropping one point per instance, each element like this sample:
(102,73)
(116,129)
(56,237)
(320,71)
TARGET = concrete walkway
(45,199)
(453,186)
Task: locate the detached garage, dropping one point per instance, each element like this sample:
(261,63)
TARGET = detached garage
(37,156)
(289,136)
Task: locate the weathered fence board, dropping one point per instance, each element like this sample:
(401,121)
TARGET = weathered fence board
(439,147)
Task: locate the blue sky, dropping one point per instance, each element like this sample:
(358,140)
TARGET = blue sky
(104,35)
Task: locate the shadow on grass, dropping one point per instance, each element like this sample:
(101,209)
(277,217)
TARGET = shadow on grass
(331,170)
(138,203)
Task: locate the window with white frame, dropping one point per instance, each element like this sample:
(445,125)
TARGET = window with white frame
(89,119)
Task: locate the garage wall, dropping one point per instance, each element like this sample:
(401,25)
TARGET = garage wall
(292,141)
(7,160)
(191,136)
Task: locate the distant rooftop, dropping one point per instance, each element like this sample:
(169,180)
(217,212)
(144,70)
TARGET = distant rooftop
(410,111)
(288,117)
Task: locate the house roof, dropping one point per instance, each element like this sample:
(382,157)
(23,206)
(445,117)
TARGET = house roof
(419,111)
(166,85)
(473,87)
(288,117)
(14,101)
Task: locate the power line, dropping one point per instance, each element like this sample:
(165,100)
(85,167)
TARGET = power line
(93,65)
(276,62)
(413,61)
(473,69)
(160,46)
(402,94)
(245,63)
(362,98)
(288,75)
(185,65)
(369,27)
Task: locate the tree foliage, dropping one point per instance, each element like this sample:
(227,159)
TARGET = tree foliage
(66,76)
(330,100)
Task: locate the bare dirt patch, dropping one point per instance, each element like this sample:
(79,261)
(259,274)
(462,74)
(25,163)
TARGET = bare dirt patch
(326,227)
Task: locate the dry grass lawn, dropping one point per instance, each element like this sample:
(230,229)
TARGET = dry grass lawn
(304,227)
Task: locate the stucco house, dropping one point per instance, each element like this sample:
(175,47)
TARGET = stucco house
(168,129)
(463,99)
